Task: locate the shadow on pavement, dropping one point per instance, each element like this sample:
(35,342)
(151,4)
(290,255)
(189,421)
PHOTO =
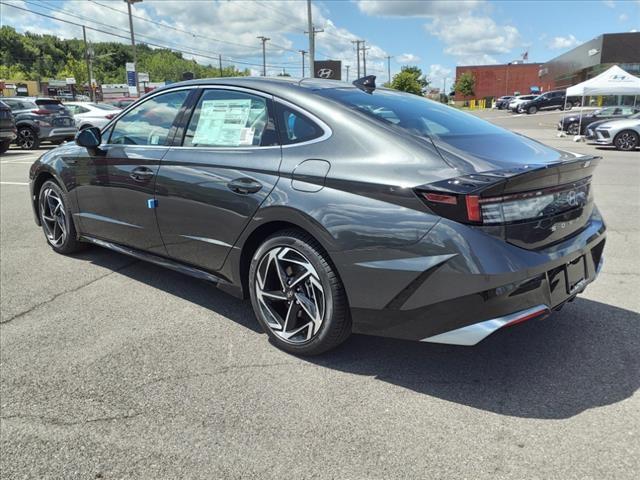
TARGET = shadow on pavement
(586,356)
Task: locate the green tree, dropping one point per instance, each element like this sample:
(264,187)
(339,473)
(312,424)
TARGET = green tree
(465,84)
(410,79)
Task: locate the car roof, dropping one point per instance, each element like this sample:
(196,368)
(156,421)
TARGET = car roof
(272,85)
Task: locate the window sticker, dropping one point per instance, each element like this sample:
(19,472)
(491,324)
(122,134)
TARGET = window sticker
(223,123)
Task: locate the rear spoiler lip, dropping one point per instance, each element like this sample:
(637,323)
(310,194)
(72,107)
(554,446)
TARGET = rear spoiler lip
(517,179)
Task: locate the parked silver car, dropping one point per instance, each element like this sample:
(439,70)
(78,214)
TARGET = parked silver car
(622,134)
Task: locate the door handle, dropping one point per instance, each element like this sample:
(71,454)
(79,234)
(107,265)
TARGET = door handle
(141,174)
(244,185)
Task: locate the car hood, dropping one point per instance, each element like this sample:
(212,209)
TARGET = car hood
(622,123)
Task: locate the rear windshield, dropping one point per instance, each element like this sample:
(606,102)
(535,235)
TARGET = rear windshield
(104,106)
(412,113)
(452,130)
(51,105)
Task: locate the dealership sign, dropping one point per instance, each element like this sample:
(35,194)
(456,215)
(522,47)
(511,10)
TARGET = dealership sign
(328,69)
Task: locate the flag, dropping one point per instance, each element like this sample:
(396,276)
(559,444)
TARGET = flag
(525,55)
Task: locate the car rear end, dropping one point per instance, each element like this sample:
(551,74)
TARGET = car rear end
(512,245)
(55,122)
(517,234)
(8,131)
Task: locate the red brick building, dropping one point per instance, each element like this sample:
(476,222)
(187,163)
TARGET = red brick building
(498,80)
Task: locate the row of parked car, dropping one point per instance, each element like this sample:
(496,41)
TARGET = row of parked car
(29,121)
(553,100)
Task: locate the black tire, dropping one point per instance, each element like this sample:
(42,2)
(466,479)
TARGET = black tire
(4,146)
(532,109)
(27,138)
(69,244)
(568,106)
(335,326)
(572,128)
(626,140)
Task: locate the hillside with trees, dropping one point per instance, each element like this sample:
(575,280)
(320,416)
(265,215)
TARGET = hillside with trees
(31,56)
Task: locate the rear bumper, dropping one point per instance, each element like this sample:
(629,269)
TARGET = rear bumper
(481,286)
(58,133)
(7,135)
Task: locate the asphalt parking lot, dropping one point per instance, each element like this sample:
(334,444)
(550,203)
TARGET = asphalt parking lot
(113,368)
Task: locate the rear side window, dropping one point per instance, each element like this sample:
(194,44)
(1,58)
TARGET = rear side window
(149,123)
(230,119)
(296,127)
(21,105)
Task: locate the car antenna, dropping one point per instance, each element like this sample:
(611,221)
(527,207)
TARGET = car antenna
(366,84)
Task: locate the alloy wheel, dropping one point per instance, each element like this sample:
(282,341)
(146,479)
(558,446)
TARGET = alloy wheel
(573,129)
(26,139)
(290,295)
(53,217)
(626,141)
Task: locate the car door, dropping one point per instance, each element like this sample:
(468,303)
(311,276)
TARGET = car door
(115,185)
(210,184)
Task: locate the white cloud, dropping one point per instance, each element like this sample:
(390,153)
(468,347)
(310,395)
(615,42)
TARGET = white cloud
(561,43)
(207,28)
(407,58)
(416,8)
(474,39)
(623,17)
(437,75)
(609,3)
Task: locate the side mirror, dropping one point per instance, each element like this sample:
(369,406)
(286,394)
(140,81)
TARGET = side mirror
(90,138)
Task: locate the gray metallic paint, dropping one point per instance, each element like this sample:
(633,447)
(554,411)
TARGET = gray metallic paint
(407,272)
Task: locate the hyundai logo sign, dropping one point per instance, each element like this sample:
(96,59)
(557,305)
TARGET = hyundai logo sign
(328,69)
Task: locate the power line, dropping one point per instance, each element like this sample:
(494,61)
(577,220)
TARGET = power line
(193,52)
(196,35)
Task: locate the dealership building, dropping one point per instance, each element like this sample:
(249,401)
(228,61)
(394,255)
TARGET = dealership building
(570,68)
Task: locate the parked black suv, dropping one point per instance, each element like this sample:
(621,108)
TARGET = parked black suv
(547,101)
(8,131)
(41,119)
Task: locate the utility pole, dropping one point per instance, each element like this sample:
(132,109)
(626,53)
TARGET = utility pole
(358,42)
(389,68)
(264,54)
(312,39)
(133,44)
(87,56)
(220,63)
(303,53)
(347,67)
(364,58)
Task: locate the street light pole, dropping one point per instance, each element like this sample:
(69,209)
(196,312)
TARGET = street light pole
(347,67)
(133,44)
(389,68)
(264,54)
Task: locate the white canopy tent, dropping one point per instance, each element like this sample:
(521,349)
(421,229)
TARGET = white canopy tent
(614,81)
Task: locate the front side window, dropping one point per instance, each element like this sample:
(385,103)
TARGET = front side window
(150,122)
(229,118)
(296,127)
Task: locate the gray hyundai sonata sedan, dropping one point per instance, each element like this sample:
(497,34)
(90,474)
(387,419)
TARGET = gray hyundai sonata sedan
(336,208)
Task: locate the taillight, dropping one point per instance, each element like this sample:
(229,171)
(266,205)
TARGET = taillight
(41,111)
(525,206)
(110,116)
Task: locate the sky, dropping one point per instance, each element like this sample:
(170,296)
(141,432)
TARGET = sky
(434,35)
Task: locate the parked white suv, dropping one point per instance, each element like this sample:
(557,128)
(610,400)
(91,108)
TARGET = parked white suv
(88,114)
(516,102)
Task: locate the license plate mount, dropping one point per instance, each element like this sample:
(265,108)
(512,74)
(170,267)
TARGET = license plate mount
(576,273)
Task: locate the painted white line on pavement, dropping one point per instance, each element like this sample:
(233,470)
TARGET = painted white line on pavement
(8,162)
(14,183)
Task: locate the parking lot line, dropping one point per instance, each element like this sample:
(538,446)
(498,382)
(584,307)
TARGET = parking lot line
(14,183)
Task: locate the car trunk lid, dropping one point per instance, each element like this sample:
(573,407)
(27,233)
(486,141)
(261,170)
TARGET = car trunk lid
(531,206)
